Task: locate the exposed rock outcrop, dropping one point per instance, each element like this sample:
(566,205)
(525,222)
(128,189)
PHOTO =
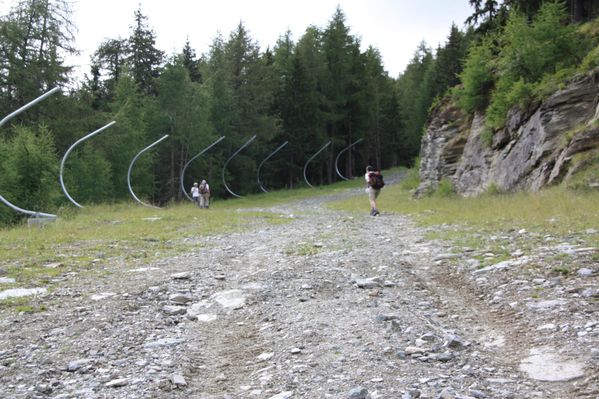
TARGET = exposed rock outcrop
(536,147)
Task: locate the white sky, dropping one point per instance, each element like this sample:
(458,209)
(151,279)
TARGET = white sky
(395,27)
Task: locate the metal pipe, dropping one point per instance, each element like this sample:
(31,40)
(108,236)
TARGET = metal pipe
(231,157)
(341,152)
(29,105)
(2,122)
(25,211)
(310,160)
(64,158)
(181,178)
(131,167)
(265,159)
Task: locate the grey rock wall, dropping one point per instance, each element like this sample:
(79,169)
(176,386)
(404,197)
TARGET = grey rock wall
(534,149)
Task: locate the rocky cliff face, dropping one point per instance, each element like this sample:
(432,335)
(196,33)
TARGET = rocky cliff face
(539,146)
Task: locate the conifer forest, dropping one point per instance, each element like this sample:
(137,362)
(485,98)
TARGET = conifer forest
(320,87)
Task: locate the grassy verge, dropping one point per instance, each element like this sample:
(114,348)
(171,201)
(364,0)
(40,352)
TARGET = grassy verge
(125,234)
(485,221)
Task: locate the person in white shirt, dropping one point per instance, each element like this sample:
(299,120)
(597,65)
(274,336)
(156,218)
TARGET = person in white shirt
(195,193)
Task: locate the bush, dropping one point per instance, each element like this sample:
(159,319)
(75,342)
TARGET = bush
(30,171)
(477,77)
(528,52)
(444,189)
(411,181)
(519,94)
(89,177)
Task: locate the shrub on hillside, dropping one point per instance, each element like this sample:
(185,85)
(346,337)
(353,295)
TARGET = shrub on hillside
(526,53)
(29,170)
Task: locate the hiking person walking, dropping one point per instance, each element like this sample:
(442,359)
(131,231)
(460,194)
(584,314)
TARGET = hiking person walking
(195,193)
(374,183)
(204,194)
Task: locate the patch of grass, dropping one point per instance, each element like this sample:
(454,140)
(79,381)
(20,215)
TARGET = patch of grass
(85,240)
(22,304)
(302,249)
(563,270)
(554,211)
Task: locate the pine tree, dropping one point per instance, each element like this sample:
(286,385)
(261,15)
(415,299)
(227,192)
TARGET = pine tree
(340,50)
(144,58)
(35,37)
(190,62)
(107,65)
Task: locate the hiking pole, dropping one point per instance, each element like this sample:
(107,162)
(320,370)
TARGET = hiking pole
(131,167)
(262,163)
(233,156)
(341,152)
(310,160)
(188,162)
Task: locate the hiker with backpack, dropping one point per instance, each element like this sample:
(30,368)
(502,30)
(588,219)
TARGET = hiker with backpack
(204,194)
(374,184)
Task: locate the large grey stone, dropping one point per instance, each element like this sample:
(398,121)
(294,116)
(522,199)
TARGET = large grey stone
(544,364)
(20,292)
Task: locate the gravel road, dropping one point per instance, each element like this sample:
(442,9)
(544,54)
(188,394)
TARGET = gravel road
(327,305)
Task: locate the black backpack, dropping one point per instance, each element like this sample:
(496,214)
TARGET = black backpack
(375,180)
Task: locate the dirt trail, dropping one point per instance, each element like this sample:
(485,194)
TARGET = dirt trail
(328,305)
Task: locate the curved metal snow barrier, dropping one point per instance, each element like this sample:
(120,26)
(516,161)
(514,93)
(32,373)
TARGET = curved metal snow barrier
(182,177)
(131,167)
(2,122)
(341,152)
(228,160)
(266,159)
(66,154)
(310,160)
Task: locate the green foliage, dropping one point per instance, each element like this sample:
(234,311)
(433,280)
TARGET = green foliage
(322,87)
(586,178)
(411,180)
(530,56)
(89,177)
(477,77)
(486,136)
(493,189)
(29,170)
(517,93)
(444,189)
(35,37)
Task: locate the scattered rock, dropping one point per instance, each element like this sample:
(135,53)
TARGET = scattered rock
(174,310)
(282,395)
(368,283)
(119,382)
(544,364)
(358,393)
(585,272)
(181,276)
(20,292)
(233,299)
(78,364)
(180,298)
(178,380)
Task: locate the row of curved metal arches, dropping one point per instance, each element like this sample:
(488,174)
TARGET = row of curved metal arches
(182,177)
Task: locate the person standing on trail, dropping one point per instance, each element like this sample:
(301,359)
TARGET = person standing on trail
(374,184)
(195,193)
(204,194)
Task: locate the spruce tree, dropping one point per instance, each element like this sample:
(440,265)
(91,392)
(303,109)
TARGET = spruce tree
(144,58)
